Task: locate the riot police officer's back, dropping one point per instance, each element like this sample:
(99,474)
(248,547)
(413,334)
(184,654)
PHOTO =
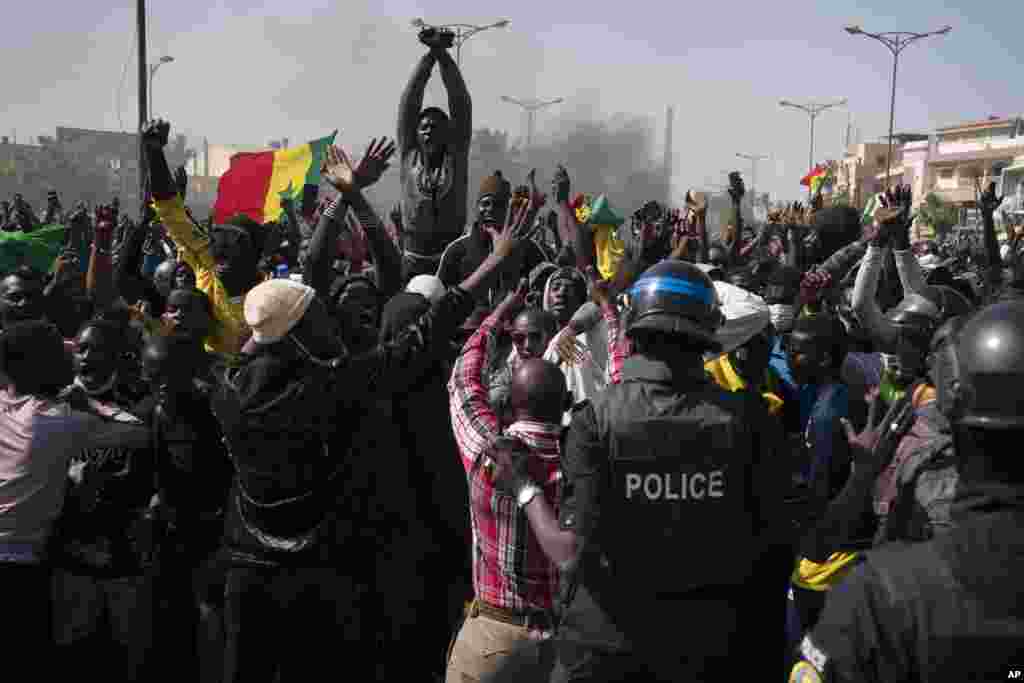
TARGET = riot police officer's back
(675,500)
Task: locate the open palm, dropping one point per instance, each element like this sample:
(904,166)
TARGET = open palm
(340,172)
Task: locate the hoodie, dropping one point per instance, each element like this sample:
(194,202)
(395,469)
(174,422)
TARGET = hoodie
(591,376)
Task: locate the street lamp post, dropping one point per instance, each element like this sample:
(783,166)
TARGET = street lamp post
(753,159)
(152,72)
(813,110)
(463,32)
(895,41)
(531,107)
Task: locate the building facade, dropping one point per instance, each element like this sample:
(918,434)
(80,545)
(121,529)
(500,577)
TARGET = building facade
(857,172)
(965,155)
(114,156)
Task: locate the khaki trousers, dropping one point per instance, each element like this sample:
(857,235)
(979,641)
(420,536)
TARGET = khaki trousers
(490,651)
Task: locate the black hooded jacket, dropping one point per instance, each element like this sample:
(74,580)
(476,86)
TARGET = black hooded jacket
(289,424)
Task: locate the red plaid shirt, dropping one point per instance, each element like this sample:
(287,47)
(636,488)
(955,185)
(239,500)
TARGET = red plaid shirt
(510,570)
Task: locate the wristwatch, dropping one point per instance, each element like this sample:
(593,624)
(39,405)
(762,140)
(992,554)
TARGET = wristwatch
(527,494)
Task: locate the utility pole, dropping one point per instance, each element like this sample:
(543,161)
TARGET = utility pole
(143,166)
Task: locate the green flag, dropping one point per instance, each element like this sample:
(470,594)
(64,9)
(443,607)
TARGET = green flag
(38,248)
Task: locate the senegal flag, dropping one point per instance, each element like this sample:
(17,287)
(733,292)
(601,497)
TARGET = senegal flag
(38,248)
(255,181)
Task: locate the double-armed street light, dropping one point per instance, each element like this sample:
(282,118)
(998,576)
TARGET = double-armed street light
(895,41)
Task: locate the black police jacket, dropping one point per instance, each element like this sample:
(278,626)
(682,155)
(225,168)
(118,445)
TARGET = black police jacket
(674,487)
(950,609)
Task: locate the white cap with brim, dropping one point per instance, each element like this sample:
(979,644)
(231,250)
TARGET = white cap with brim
(274,307)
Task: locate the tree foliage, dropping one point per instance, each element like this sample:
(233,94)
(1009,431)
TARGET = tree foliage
(937,214)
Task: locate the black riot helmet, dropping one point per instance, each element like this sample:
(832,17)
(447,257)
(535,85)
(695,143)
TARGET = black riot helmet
(916,319)
(986,370)
(676,298)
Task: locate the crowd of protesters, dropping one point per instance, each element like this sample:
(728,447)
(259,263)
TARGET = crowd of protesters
(232,451)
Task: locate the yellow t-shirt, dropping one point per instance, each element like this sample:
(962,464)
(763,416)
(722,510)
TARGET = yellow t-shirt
(230,331)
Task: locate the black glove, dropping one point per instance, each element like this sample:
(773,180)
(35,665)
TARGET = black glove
(154,137)
(510,457)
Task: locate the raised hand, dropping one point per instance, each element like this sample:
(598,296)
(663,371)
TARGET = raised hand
(375,162)
(339,171)
(863,444)
(516,299)
(736,187)
(517,229)
(988,202)
(569,349)
(156,133)
(698,201)
(876,444)
(813,284)
(104,219)
(396,219)
(560,184)
(437,38)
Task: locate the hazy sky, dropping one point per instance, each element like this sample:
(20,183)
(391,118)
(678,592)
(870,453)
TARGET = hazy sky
(247,71)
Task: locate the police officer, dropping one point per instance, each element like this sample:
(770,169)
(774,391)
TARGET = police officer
(948,609)
(671,512)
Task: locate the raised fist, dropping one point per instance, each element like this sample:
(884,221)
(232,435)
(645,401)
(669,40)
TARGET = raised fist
(988,201)
(104,220)
(698,201)
(437,39)
(736,187)
(155,134)
(560,184)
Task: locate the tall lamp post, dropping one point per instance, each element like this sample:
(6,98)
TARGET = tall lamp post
(813,110)
(463,32)
(152,72)
(531,107)
(895,41)
(753,159)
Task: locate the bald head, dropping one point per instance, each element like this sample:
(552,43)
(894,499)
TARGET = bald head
(538,391)
(163,277)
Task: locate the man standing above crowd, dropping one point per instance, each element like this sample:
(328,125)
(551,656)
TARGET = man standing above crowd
(434,148)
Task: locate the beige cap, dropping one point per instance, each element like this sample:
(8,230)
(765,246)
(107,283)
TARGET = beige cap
(274,307)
